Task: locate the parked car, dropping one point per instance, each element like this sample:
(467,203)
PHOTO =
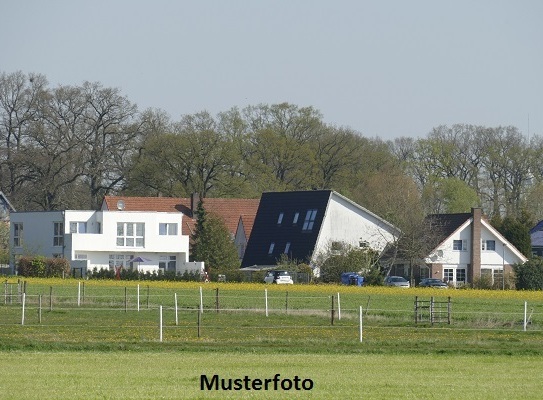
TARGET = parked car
(279,277)
(397,281)
(433,282)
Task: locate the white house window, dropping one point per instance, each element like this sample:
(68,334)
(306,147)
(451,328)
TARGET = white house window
(58,234)
(488,245)
(78,227)
(309,220)
(448,274)
(130,234)
(167,229)
(272,245)
(280,218)
(79,256)
(497,276)
(287,247)
(17,234)
(461,275)
(119,260)
(295,220)
(169,263)
(460,245)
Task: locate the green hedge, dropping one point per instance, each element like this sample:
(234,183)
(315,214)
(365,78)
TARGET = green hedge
(43,267)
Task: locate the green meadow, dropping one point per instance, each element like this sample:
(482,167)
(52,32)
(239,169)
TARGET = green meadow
(104,340)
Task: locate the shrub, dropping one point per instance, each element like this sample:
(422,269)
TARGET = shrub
(529,276)
(42,267)
(483,282)
(133,275)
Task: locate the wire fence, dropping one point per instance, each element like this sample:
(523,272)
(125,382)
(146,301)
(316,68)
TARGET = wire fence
(143,313)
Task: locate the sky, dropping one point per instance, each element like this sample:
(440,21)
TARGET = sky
(385,69)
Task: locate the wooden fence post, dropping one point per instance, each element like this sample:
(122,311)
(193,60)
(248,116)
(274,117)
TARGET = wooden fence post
(449,310)
(416,309)
(332,311)
(39,309)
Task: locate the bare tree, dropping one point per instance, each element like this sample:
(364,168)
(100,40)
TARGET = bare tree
(19,96)
(112,136)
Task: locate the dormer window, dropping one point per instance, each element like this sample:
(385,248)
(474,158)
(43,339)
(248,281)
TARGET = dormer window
(280,219)
(295,220)
(309,220)
(272,245)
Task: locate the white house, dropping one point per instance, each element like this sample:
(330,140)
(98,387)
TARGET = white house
(469,248)
(302,224)
(104,239)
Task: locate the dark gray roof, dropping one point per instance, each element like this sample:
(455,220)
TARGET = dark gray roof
(441,227)
(445,224)
(536,235)
(295,207)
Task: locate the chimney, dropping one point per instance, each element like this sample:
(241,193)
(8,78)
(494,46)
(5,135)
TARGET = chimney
(194,200)
(474,271)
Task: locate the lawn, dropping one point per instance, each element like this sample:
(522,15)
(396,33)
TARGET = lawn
(102,339)
(177,374)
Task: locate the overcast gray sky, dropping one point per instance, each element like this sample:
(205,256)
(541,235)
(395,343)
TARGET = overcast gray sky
(384,68)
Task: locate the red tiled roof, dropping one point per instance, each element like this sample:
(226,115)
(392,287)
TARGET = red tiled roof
(229,210)
(248,222)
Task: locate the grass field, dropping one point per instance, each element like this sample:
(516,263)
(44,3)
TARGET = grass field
(100,340)
(176,375)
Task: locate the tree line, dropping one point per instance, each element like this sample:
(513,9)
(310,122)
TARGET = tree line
(66,147)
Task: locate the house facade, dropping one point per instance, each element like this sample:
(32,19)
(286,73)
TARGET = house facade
(469,249)
(237,214)
(302,224)
(104,239)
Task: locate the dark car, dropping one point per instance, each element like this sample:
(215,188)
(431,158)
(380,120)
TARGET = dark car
(433,282)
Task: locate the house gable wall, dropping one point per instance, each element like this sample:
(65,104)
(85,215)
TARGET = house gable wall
(240,239)
(349,223)
(501,257)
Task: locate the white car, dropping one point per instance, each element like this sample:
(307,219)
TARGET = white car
(397,281)
(279,277)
